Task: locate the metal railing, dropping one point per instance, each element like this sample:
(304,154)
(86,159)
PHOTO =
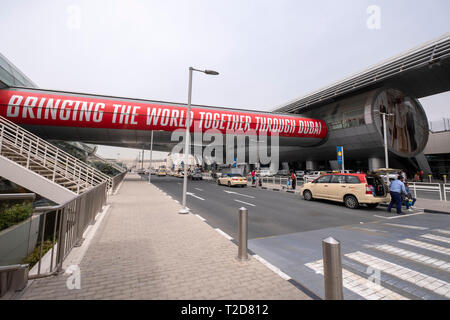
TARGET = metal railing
(282,182)
(425,187)
(446,189)
(40,156)
(116,180)
(440,125)
(69,222)
(111,163)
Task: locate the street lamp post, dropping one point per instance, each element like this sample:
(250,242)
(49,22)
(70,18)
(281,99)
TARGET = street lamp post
(185,210)
(150,167)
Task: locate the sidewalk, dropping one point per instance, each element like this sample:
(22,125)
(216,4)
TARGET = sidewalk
(433,205)
(144,249)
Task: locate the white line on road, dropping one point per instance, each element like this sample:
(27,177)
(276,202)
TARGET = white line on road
(401,216)
(198,189)
(240,194)
(405,226)
(437,238)
(193,195)
(426,246)
(420,258)
(365,288)
(224,234)
(245,203)
(272,267)
(416,278)
(442,231)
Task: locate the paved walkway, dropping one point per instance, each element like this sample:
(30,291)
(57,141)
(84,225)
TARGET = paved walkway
(144,249)
(433,205)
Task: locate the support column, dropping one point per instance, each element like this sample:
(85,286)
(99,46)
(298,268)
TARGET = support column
(376,163)
(311,165)
(273,168)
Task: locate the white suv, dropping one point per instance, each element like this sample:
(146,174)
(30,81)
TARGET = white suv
(310,176)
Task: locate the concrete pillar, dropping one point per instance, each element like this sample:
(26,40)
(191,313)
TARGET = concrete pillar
(376,163)
(273,167)
(311,165)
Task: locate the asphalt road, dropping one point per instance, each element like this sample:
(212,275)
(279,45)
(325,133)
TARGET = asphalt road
(271,213)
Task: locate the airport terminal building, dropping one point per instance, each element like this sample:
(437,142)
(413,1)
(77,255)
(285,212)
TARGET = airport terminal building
(349,114)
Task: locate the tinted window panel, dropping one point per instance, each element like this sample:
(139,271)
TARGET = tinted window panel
(324,179)
(338,179)
(352,179)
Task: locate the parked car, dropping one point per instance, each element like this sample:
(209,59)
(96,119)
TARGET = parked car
(388,174)
(232,179)
(310,176)
(300,174)
(352,189)
(195,175)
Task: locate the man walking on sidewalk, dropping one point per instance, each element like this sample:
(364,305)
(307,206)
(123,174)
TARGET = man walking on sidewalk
(396,189)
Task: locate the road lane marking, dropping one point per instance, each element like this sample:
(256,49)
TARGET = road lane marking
(417,257)
(198,189)
(405,226)
(437,238)
(272,267)
(224,234)
(442,231)
(419,279)
(426,246)
(240,194)
(365,288)
(193,195)
(245,203)
(401,216)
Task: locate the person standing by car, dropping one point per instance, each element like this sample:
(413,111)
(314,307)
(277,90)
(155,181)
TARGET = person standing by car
(253,177)
(294,180)
(396,189)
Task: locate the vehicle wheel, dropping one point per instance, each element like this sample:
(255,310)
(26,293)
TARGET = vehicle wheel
(351,202)
(218,182)
(229,184)
(372,205)
(307,195)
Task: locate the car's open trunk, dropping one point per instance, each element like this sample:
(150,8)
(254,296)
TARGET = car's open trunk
(379,185)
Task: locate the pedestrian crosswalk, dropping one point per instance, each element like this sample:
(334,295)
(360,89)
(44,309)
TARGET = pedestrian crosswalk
(436,238)
(426,246)
(400,270)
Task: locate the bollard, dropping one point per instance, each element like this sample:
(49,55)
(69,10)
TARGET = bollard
(332,269)
(429,176)
(242,234)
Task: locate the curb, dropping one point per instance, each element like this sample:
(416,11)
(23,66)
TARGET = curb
(424,210)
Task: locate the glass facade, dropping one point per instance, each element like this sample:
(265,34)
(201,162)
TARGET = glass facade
(10,75)
(440,164)
(349,119)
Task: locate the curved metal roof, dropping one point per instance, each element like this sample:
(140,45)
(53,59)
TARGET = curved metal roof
(419,59)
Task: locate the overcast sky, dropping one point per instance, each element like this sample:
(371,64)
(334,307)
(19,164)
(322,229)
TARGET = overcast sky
(267,52)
